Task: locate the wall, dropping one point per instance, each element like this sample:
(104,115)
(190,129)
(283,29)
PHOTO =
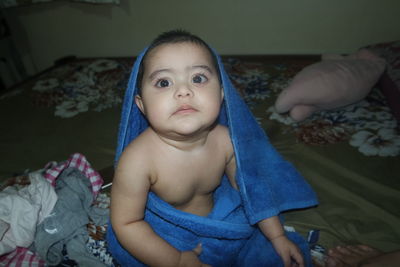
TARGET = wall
(45,32)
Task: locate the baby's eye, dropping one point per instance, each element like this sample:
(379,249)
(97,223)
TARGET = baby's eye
(163,83)
(199,78)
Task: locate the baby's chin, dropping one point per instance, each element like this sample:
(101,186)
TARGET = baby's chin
(190,131)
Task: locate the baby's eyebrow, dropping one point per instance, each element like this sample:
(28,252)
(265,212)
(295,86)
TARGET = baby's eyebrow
(203,67)
(156,72)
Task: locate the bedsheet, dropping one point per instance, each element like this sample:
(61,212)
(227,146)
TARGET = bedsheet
(73,107)
(350,156)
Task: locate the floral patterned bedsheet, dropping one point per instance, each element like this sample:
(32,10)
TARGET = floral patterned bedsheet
(351,155)
(367,125)
(77,87)
(99,84)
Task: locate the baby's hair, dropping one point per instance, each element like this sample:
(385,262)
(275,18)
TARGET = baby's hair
(174,37)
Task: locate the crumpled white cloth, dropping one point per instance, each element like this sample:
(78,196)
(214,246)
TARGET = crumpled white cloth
(22,209)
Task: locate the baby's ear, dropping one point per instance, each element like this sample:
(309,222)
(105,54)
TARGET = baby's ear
(139,103)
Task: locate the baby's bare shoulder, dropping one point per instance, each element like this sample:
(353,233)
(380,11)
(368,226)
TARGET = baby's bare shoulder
(221,139)
(136,153)
(221,135)
(139,144)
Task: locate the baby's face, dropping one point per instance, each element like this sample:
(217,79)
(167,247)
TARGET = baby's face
(181,92)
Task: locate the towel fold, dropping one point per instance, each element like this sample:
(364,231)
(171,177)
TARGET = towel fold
(226,236)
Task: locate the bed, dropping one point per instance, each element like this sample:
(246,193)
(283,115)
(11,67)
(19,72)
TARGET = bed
(74,107)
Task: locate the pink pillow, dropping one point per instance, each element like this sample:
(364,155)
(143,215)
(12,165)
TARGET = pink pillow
(331,83)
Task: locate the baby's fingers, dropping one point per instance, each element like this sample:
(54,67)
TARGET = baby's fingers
(298,258)
(197,250)
(287,262)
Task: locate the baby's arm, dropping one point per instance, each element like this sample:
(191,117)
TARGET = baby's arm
(130,188)
(230,171)
(273,230)
(271,227)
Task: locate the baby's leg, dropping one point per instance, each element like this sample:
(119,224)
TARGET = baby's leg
(361,255)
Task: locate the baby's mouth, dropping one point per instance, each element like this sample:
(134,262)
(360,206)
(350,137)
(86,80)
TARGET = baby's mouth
(185,109)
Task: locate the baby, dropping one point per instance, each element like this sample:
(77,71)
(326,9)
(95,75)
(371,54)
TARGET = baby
(182,156)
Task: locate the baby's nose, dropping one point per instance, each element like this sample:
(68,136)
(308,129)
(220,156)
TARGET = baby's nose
(184,90)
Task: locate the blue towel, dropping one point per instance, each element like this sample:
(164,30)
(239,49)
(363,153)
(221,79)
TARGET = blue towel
(268,186)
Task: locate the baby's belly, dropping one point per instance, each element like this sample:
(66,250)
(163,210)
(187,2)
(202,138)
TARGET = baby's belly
(195,204)
(201,207)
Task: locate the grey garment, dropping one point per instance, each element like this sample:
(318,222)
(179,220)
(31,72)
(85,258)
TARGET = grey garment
(66,225)
(99,216)
(77,250)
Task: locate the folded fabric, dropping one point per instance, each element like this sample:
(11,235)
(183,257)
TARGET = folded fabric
(78,161)
(22,209)
(66,225)
(268,185)
(21,257)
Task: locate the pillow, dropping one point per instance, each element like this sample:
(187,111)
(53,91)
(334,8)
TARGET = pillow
(390,81)
(334,82)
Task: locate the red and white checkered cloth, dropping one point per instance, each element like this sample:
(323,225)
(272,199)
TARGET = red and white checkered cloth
(78,161)
(21,257)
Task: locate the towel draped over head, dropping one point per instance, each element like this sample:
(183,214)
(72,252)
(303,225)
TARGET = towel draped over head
(268,183)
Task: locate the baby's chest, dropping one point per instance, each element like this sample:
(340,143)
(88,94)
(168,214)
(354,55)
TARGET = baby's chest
(181,181)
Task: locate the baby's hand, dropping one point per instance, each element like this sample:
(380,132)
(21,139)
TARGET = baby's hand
(288,251)
(191,258)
